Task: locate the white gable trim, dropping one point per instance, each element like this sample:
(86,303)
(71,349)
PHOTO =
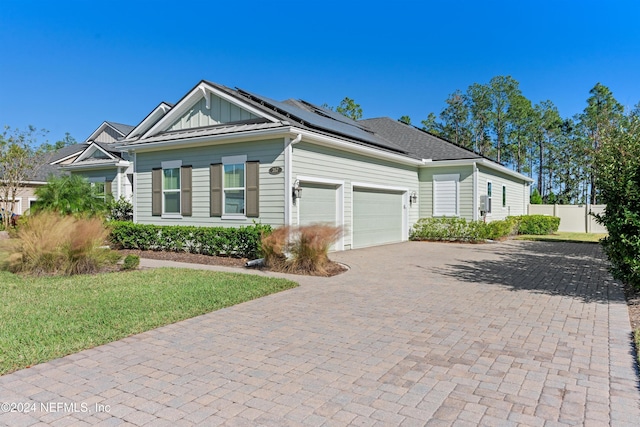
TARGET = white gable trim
(92,148)
(196,94)
(77,153)
(150,120)
(101,129)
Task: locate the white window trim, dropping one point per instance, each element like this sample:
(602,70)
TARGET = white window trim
(446,177)
(504,196)
(99,180)
(233,160)
(171,164)
(489,197)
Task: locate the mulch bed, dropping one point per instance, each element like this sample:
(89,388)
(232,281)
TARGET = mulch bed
(332,269)
(633,303)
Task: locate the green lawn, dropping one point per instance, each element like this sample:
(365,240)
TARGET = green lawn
(46,318)
(565,237)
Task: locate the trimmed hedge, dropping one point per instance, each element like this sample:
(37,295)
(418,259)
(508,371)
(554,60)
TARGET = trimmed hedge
(242,242)
(459,229)
(538,224)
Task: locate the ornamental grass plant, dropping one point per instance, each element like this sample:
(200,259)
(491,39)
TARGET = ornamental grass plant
(48,243)
(300,250)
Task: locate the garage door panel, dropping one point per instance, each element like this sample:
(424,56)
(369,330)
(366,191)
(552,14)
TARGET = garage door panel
(318,204)
(377,217)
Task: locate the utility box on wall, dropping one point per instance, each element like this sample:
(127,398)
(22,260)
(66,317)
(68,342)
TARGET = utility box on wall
(485,204)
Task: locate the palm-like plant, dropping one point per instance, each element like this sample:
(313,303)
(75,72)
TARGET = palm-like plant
(69,195)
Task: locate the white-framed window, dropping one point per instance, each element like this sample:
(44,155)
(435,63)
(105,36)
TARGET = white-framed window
(234,187)
(99,186)
(504,196)
(446,195)
(489,198)
(171,187)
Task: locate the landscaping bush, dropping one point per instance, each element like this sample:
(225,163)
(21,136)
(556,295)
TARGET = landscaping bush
(618,180)
(120,210)
(538,224)
(48,243)
(449,229)
(501,229)
(131,262)
(242,242)
(69,195)
(300,249)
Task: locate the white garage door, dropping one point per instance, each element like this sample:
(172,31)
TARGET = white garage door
(377,217)
(318,204)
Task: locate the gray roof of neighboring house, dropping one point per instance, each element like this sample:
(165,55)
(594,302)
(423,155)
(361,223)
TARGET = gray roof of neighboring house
(417,141)
(123,129)
(67,151)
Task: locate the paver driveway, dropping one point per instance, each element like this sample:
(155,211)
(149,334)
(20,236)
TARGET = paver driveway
(517,333)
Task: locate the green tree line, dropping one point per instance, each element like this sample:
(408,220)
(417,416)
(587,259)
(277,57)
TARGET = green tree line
(497,121)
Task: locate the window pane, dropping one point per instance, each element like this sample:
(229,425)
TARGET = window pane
(504,196)
(172,202)
(171,179)
(99,187)
(234,175)
(234,201)
(489,189)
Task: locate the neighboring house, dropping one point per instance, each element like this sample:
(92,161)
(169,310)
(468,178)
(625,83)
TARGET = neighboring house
(227,157)
(25,195)
(100,160)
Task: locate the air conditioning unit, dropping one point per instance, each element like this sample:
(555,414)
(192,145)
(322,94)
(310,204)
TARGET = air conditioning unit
(485,204)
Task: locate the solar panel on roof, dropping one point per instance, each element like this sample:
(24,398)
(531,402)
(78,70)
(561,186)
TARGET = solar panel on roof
(344,126)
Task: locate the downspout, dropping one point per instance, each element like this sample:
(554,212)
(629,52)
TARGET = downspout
(134,187)
(475,191)
(119,181)
(288,177)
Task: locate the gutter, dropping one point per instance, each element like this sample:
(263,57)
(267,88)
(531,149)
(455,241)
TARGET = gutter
(483,162)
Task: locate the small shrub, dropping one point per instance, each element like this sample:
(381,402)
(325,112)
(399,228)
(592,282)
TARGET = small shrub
(300,249)
(449,229)
(120,210)
(501,229)
(538,224)
(131,262)
(52,244)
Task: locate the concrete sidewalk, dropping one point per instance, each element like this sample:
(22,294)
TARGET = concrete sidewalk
(516,333)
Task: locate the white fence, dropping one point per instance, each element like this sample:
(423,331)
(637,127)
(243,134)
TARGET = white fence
(573,218)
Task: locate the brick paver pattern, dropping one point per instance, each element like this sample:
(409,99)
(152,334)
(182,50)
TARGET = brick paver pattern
(415,334)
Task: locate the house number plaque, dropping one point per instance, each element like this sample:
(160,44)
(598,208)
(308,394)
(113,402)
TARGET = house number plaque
(275,170)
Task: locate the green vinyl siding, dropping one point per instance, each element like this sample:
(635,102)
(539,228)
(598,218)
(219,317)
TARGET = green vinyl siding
(377,217)
(465,189)
(516,193)
(220,111)
(267,153)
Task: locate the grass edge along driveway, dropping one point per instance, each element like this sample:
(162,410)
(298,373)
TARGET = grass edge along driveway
(43,318)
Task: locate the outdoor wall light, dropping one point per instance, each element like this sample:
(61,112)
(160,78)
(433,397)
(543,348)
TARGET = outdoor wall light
(413,198)
(296,190)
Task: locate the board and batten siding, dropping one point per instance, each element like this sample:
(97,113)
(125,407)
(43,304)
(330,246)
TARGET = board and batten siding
(517,193)
(465,187)
(220,111)
(323,162)
(108,135)
(268,153)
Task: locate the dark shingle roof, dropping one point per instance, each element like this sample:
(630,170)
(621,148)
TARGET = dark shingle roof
(67,151)
(416,141)
(123,129)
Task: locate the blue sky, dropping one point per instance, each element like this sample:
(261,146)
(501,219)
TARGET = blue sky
(69,65)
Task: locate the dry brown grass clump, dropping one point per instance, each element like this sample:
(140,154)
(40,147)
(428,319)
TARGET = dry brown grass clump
(300,250)
(48,243)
